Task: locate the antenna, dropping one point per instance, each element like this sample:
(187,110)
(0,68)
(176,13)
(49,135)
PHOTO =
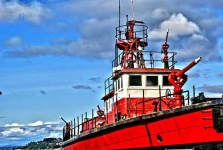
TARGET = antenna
(133,13)
(118,34)
(119,14)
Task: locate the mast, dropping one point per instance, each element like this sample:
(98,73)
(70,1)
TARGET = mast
(119,14)
(119,24)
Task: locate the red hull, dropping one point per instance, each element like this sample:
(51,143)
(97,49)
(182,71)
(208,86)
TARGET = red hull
(144,104)
(187,125)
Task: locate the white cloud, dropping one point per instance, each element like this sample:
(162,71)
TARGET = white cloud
(51,123)
(11,131)
(198,37)
(160,13)
(198,45)
(31,132)
(95,30)
(94,43)
(178,25)
(14,125)
(13,10)
(37,123)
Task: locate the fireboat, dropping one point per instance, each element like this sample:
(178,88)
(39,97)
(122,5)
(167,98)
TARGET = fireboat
(145,106)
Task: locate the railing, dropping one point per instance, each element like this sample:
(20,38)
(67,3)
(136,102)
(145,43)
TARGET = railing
(140,31)
(149,60)
(85,123)
(109,86)
(160,101)
(77,124)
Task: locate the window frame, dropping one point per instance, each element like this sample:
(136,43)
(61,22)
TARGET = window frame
(137,85)
(119,84)
(167,80)
(153,85)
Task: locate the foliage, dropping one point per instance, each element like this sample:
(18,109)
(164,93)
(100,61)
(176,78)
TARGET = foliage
(47,143)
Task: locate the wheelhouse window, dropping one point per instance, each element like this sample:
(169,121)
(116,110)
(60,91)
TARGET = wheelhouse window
(108,104)
(119,84)
(151,80)
(166,81)
(135,80)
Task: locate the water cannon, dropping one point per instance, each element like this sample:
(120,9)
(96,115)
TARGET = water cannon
(165,47)
(67,129)
(64,120)
(100,112)
(141,22)
(178,79)
(133,22)
(67,124)
(189,66)
(167,33)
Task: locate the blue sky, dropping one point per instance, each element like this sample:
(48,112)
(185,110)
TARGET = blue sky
(55,55)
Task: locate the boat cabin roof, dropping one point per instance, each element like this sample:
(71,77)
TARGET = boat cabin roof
(143,71)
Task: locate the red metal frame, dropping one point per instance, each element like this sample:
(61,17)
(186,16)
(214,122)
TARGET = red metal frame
(178,79)
(130,45)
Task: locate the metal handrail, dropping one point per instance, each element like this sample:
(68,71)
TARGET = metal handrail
(109,85)
(121,32)
(150,59)
(76,125)
(161,100)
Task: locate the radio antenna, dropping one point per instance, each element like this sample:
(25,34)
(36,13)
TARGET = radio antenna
(133,11)
(119,14)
